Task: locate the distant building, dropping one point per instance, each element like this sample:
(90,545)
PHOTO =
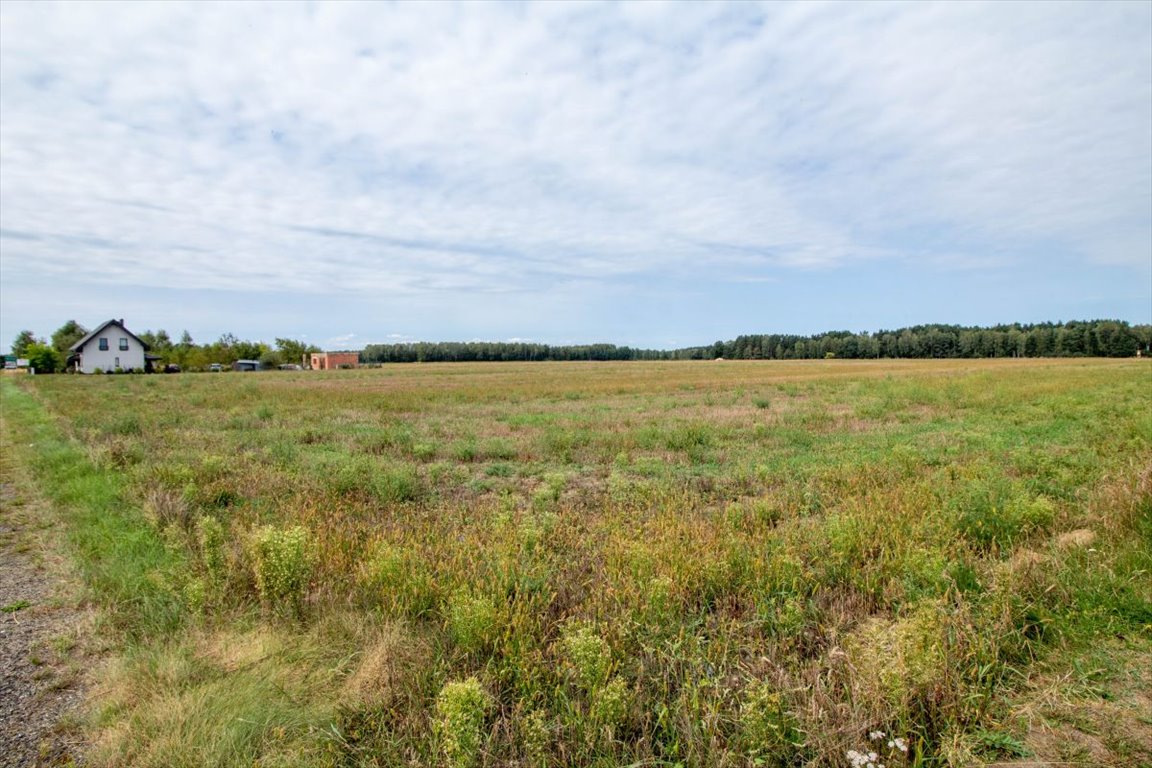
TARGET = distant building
(327,361)
(247,365)
(111,347)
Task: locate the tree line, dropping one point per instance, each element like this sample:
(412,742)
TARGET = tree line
(1078,338)
(50,355)
(1092,338)
(486,351)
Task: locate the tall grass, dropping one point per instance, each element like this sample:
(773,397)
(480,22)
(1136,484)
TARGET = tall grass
(696,564)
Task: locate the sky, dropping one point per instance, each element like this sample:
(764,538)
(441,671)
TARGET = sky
(653,174)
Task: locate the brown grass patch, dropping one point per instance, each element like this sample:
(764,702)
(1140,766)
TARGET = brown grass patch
(385,664)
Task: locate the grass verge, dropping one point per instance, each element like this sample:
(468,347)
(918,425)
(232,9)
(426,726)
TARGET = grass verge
(121,558)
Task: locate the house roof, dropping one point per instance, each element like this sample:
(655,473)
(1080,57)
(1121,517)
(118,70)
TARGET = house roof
(92,334)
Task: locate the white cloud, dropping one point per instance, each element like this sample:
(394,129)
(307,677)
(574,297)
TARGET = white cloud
(474,150)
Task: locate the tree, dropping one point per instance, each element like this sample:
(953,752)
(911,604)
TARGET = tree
(67,335)
(248,350)
(23,340)
(179,353)
(43,358)
(292,351)
(158,342)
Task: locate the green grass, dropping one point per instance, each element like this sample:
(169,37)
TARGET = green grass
(760,563)
(122,558)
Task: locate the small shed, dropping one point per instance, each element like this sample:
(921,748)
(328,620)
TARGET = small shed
(327,361)
(247,365)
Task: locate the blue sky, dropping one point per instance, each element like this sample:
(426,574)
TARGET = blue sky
(652,174)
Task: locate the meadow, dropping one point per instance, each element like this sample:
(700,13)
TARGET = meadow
(736,563)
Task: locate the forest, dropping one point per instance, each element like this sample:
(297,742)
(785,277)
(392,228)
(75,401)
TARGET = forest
(1091,338)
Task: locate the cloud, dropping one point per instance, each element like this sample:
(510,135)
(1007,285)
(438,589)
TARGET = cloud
(477,150)
(343,341)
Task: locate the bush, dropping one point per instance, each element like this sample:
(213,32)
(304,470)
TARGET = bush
(210,539)
(473,621)
(461,708)
(610,704)
(587,655)
(282,565)
(43,358)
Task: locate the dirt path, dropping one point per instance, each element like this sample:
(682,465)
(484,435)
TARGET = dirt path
(40,630)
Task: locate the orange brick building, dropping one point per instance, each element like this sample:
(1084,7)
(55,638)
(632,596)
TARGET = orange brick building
(327,361)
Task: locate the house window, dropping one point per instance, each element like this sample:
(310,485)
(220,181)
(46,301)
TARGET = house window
(103,345)
(123,345)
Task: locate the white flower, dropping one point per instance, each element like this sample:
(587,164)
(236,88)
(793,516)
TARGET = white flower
(900,744)
(874,735)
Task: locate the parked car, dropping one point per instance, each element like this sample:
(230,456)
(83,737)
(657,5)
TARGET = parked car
(215,367)
(171,368)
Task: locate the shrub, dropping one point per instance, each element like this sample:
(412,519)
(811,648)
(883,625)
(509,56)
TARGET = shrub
(461,708)
(43,358)
(609,705)
(536,736)
(473,620)
(587,655)
(196,595)
(282,565)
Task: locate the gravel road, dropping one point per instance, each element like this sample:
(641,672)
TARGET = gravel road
(39,678)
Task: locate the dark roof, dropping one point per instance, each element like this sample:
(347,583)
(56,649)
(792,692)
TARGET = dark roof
(92,334)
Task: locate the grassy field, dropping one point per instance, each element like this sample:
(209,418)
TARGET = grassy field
(611,564)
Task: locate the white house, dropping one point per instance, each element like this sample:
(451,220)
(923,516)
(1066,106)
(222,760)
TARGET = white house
(111,346)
